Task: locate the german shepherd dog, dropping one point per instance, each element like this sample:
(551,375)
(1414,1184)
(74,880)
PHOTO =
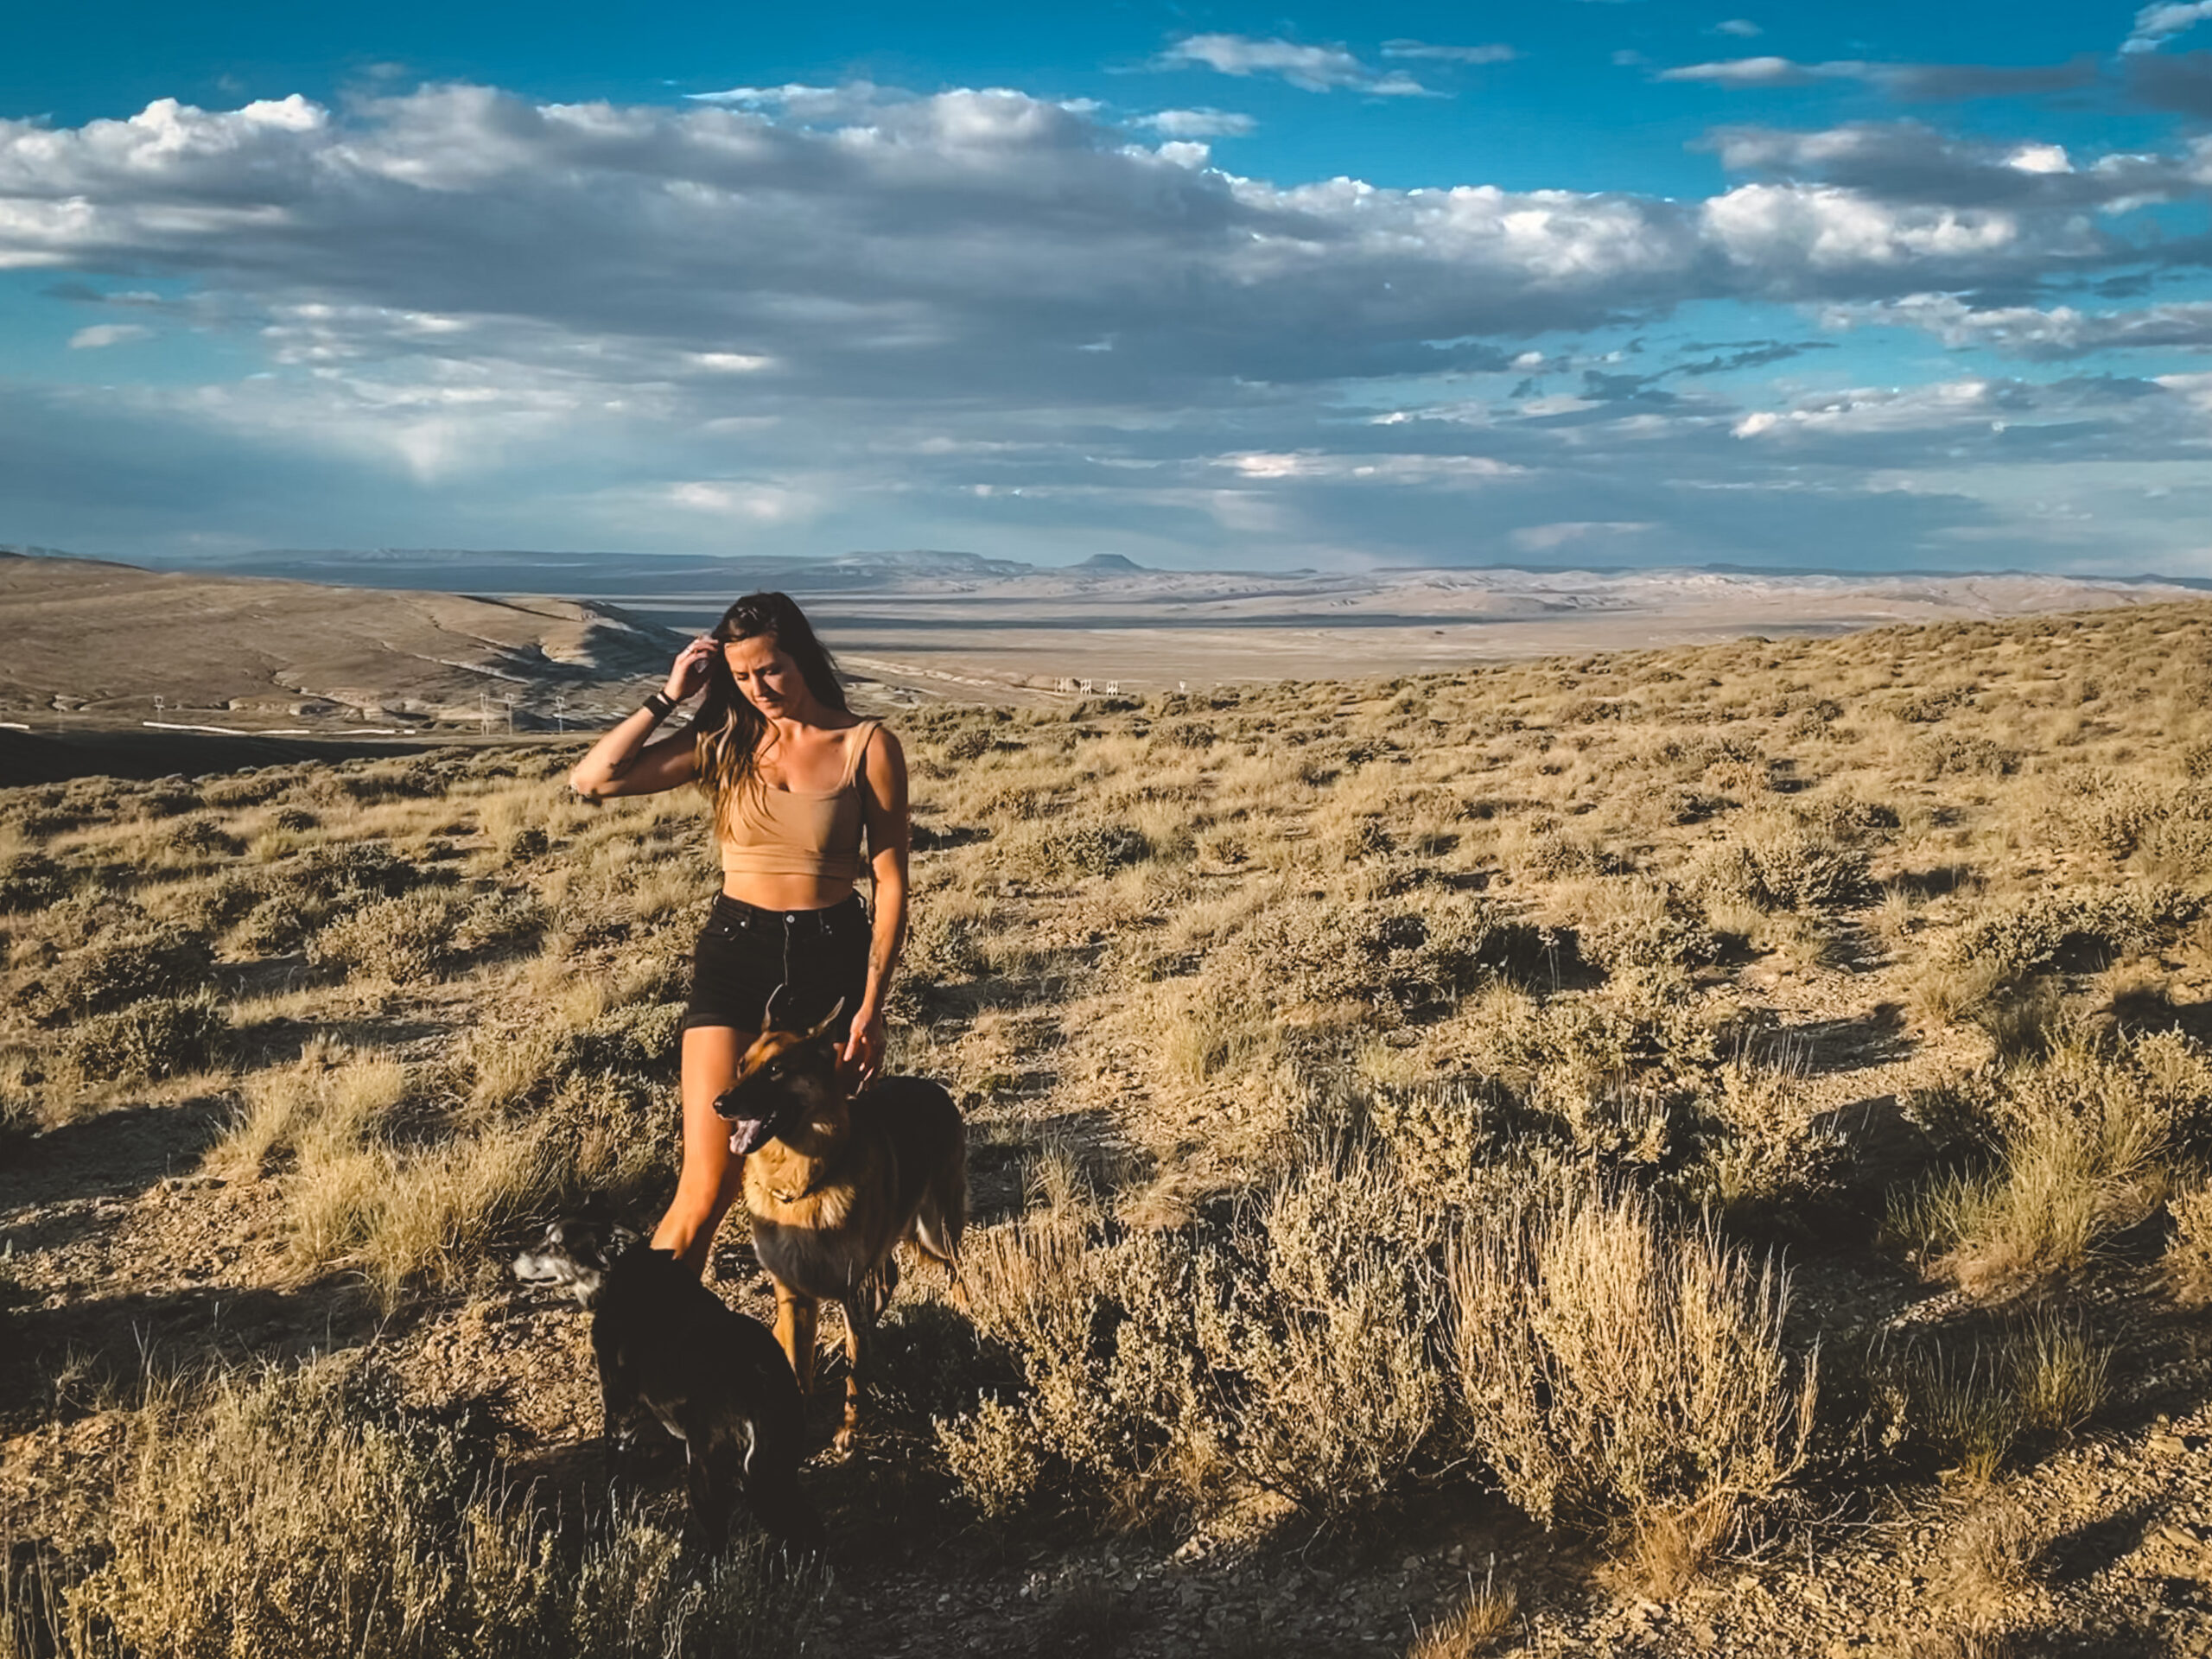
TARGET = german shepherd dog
(669,1348)
(834,1181)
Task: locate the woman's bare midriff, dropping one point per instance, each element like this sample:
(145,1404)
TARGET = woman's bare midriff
(787,892)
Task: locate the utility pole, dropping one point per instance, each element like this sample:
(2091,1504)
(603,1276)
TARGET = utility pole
(560,707)
(509,699)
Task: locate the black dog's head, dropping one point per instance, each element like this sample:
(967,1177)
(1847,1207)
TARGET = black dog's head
(575,1254)
(786,1078)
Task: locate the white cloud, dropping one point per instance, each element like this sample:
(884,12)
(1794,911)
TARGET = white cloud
(2040,158)
(978,239)
(1312,68)
(765,504)
(1742,28)
(838,316)
(1376,467)
(2157,24)
(1494,53)
(1908,162)
(1197,123)
(2041,335)
(1745,72)
(1549,538)
(108,334)
(1912,82)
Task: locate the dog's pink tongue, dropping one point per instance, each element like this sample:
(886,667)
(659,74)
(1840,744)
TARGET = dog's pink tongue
(748,1134)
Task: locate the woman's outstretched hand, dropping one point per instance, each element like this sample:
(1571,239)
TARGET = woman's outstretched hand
(688,674)
(863,1053)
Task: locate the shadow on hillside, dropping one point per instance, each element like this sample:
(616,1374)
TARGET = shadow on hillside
(2149,1010)
(1817,1048)
(1932,883)
(283,1039)
(117,1155)
(64,1362)
(2083,1552)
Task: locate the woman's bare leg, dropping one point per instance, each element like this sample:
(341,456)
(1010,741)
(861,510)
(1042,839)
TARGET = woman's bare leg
(711,1175)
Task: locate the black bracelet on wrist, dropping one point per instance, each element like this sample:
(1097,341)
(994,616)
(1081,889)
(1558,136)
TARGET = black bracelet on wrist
(660,705)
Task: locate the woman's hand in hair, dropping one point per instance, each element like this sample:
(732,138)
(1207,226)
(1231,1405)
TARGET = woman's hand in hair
(688,674)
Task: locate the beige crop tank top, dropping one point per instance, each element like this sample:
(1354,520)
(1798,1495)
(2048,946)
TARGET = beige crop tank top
(799,832)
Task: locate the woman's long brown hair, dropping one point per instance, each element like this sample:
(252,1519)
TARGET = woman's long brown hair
(725,741)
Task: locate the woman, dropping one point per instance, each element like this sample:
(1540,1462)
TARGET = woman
(794,776)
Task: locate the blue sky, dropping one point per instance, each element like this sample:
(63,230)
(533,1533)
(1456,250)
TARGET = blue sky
(1573,282)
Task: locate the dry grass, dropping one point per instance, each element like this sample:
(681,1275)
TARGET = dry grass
(2189,1258)
(1440,1051)
(1986,1574)
(1476,1627)
(310,1512)
(2085,1132)
(1626,1380)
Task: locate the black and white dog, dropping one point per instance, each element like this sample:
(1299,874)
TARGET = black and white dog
(671,1349)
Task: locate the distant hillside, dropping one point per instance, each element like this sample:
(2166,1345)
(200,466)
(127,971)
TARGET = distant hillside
(105,638)
(606,574)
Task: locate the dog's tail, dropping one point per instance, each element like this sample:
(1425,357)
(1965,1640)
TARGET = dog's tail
(942,1221)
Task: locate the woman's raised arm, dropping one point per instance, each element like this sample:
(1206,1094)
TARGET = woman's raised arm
(623,762)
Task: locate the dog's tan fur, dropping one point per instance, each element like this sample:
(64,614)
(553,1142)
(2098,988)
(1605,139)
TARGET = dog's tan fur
(844,1180)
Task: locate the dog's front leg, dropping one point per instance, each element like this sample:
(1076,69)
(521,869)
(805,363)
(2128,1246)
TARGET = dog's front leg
(619,1414)
(711,1492)
(860,1331)
(797,1315)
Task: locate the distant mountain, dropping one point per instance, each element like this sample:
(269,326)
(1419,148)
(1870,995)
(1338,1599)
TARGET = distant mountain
(602,574)
(1110,564)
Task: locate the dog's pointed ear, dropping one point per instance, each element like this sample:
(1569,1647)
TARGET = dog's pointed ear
(827,1020)
(620,1238)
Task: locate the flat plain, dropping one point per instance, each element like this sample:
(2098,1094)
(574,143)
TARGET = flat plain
(1679,1151)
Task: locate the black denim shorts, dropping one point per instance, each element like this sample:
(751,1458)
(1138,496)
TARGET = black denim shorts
(805,960)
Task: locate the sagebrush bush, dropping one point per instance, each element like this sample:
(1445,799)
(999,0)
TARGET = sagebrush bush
(1783,860)
(1289,1353)
(274,926)
(198,840)
(1945,755)
(31,882)
(2050,929)
(641,1038)
(155,1037)
(1620,1377)
(125,961)
(994,1454)
(1081,847)
(1313,1324)
(211,906)
(1629,924)
(2188,1255)
(406,940)
(1764,1153)
(367,1184)
(1397,957)
(2082,1136)
(311,1513)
